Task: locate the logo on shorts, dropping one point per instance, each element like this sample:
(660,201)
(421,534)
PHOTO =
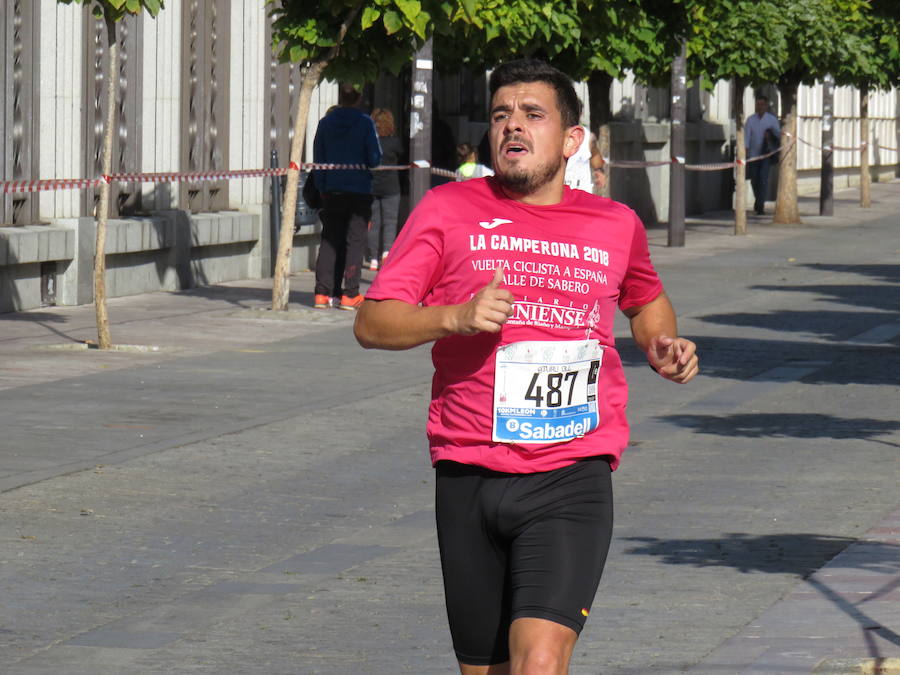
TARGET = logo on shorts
(494,223)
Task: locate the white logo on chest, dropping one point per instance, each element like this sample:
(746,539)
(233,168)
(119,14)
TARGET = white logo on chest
(494,223)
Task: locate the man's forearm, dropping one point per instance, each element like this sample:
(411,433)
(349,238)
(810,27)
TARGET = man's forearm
(655,330)
(652,320)
(393,324)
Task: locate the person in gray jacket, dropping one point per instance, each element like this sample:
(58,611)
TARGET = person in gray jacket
(345,135)
(762,135)
(385,189)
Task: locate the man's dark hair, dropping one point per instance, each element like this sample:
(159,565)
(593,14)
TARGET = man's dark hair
(348,95)
(533,70)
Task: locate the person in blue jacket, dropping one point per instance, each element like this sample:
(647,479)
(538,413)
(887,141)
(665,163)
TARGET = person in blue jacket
(345,135)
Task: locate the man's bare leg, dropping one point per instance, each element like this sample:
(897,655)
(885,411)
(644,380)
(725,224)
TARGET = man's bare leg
(537,647)
(540,647)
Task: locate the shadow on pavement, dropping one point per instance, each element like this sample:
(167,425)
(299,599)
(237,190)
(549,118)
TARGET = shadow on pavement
(33,316)
(787,425)
(43,319)
(799,554)
(883,297)
(250,297)
(829,324)
(887,273)
(246,297)
(758,359)
(856,295)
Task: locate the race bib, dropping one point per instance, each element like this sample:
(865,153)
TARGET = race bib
(546,392)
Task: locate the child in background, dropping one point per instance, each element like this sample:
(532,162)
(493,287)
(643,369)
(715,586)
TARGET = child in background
(467,155)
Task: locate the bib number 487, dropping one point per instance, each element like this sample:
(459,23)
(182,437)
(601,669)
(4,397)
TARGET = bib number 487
(546,391)
(550,389)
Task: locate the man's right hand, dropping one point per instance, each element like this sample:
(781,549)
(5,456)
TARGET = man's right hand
(488,309)
(394,324)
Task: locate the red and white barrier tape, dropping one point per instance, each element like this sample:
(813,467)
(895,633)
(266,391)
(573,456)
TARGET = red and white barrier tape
(719,166)
(19,186)
(446,173)
(856,148)
(636,163)
(175,177)
(759,158)
(314,166)
(844,148)
(23,186)
(712,166)
(422,164)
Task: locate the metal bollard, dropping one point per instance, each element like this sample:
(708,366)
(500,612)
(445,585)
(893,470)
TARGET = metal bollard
(275,211)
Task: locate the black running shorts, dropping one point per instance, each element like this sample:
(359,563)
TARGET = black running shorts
(519,545)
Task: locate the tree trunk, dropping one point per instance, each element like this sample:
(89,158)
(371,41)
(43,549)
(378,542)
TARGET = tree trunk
(740,169)
(604,145)
(103,337)
(786,208)
(281,286)
(599,86)
(865,180)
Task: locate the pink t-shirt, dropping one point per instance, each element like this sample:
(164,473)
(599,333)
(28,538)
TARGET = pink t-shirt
(568,265)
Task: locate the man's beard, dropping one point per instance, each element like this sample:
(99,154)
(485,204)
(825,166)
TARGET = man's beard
(522,182)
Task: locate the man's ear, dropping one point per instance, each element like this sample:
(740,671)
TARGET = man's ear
(573,140)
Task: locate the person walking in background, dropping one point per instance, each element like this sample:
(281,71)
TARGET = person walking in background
(598,166)
(578,167)
(469,167)
(516,279)
(586,169)
(385,190)
(344,136)
(762,135)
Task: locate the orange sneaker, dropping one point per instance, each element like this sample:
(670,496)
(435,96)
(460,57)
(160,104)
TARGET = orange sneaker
(349,303)
(322,302)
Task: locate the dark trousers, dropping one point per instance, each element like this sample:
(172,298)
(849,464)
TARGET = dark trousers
(759,181)
(385,210)
(345,221)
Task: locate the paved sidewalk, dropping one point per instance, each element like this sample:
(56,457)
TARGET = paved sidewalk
(241,491)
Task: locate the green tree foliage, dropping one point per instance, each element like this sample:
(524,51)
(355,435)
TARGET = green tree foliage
(883,25)
(592,40)
(874,64)
(578,36)
(824,38)
(487,32)
(743,41)
(736,39)
(381,37)
(789,42)
(348,40)
(114,10)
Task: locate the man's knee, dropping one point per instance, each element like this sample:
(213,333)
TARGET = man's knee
(540,647)
(540,660)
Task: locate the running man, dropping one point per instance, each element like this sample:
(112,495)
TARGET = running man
(516,279)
